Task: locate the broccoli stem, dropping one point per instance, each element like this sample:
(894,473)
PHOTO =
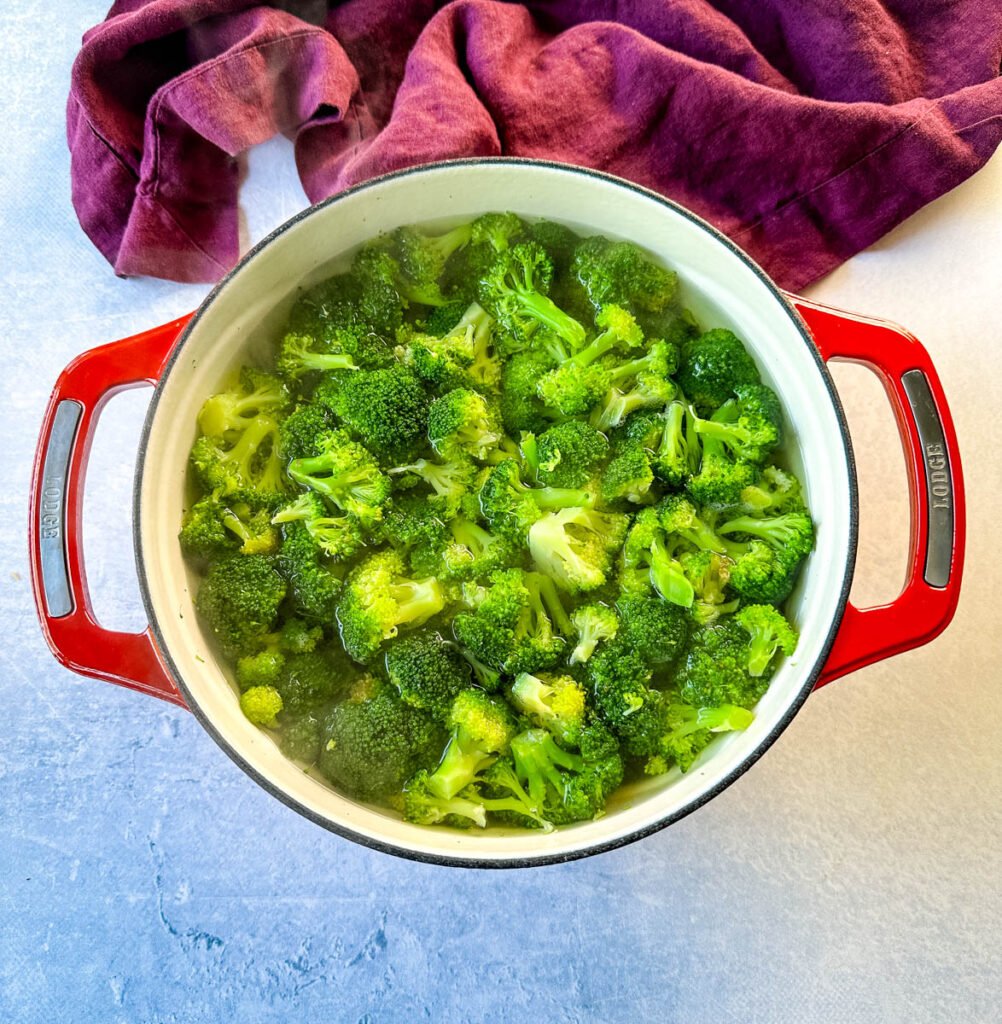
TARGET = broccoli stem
(561,497)
(668,578)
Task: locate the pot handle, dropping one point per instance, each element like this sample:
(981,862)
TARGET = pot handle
(928,601)
(54,528)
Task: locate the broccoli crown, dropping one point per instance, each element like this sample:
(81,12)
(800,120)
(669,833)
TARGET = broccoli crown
(715,670)
(461,423)
(421,261)
(228,414)
(621,273)
(370,747)
(301,433)
(708,572)
(688,730)
(300,738)
(387,408)
(299,354)
(471,552)
(261,705)
(775,490)
(519,405)
(310,680)
(556,703)
(622,695)
(593,623)
(568,453)
(628,476)
(642,383)
(261,669)
(377,288)
(676,447)
(213,529)
(750,426)
(312,586)
(238,601)
(656,629)
(769,632)
(378,599)
(427,671)
(500,231)
(441,320)
(713,365)
(511,506)
(575,546)
(766,564)
(337,537)
(649,559)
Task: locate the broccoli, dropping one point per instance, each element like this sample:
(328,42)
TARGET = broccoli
(620,680)
(461,423)
(345,474)
(481,729)
(413,524)
(769,632)
(211,529)
(452,481)
(511,507)
(556,703)
(378,598)
(473,803)
(649,549)
(301,432)
(261,705)
(679,518)
(387,409)
(500,231)
(621,273)
(519,405)
(749,425)
(593,623)
(379,302)
(248,470)
(301,353)
(229,414)
(558,241)
(427,671)
(721,477)
(709,573)
(514,291)
(579,381)
(313,586)
(461,357)
(313,679)
(261,669)
(640,384)
(655,629)
(715,669)
(520,625)
(713,365)
(421,259)
(774,491)
(575,546)
(567,453)
(628,476)
(372,743)
(471,552)
(441,320)
(677,452)
(338,537)
(300,736)
(238,601)
(265,668)
(766,565)
(689,730)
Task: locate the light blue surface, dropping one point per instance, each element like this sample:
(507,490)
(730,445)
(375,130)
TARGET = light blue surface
(852,876)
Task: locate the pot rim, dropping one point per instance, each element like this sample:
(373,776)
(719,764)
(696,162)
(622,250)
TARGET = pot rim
(810,679)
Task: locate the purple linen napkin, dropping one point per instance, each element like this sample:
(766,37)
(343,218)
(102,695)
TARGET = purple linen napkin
(804,130)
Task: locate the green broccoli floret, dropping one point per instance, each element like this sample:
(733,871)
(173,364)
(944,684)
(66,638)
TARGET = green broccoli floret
(750,425)
(441,320)
(677,451)
(655,629)
(567,453)
(620,272)
(579,381)
(229,414)
(766,564)
(342,314)
(500,231)
(482,727)
(511,506)
(213,529)
(386,409)
(453,482)
(422,258)
(261,669)
(379,598)
(721,477)
(520,625)
(378,295)
(238,601)
(640,384)
(302,353)
(514,292)
(680,518)
(713,365)
(471,552)
(427,671)
(650,558)
(313,585)
(689,730)
(300,737)
(473,803)
(298,637)
(247,469)
(461,423)
(345,474)
(556,703)
(558,241)
(261,705)
(708,572)
(338,537)
(575,546)
(415,525)
(620,680)
(774,491)
(519,404)
(313,679)
(373,743)
(301,432)
(715,670)
(770,633)
(628,476)
(593,623)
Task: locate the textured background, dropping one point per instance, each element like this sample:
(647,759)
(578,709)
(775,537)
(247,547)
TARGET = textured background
(853,875)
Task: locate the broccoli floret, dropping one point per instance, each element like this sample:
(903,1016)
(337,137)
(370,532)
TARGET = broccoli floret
(230,413)
(708,572)
(749,425)
(770,633)
(620,681)
(520,625)
(371,745)
(347,475)
(427,671)
(471,552)
(313,679)
(441,320)
(679,518)
(519,404)
(302,353)
(212,529)
(336,313)
(298,637)
(482,727)
(558,241)
(567,454)
(473,803)
(499,231)
(655,629)
(422,258)
(261,669)
(461,423)
(415,525)
(556,703)
(514,292)
(622,273)
(300,737)
(338,537)
(580,381)
(593,623)
(774,491)
(766,565)
(689,730)
(261,705)
(452,481)
(715,670)
(651,555)
(628,476)
(640,384)
(313,586)
(721,477)
(377,291)
(575,546)
(713,365)
(301,432)
(386,409)
(238,601)
(379,598)
(677,451)
(511,506)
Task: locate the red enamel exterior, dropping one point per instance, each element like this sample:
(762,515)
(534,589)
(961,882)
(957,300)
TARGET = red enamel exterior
(78,640)
(866,635)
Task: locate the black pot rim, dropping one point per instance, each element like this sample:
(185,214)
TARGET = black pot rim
(526,861)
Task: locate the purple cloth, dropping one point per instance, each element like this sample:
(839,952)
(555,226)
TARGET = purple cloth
(804,129)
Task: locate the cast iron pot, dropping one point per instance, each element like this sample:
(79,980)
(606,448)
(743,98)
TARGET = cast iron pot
(791,340)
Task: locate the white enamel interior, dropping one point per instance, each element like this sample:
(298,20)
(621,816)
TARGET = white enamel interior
(242,315)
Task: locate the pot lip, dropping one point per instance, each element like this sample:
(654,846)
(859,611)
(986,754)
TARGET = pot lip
(616,842)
